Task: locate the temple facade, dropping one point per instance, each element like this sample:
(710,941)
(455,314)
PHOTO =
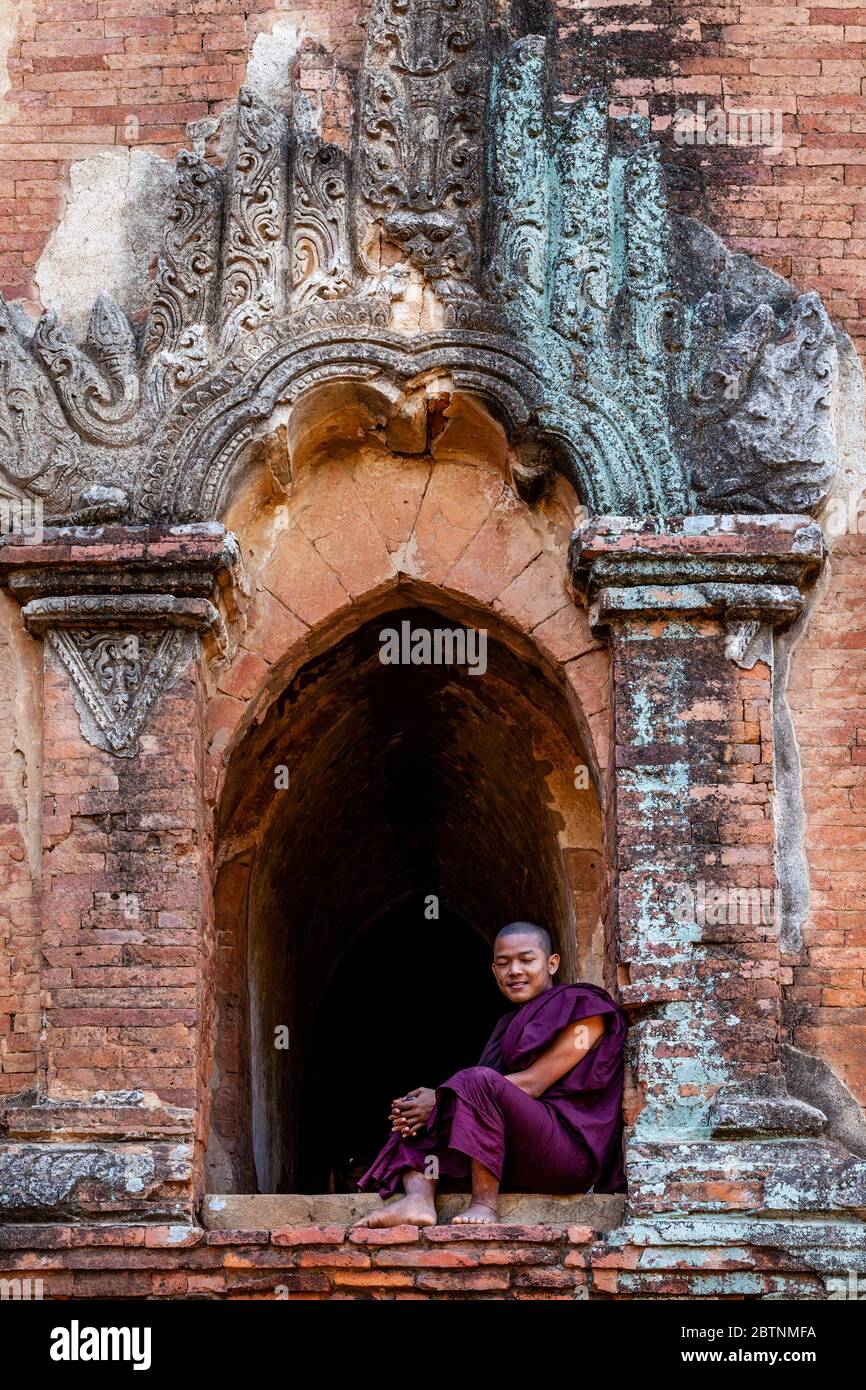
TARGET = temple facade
(437,363)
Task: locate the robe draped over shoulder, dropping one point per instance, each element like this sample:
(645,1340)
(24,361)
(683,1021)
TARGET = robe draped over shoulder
(587,1099)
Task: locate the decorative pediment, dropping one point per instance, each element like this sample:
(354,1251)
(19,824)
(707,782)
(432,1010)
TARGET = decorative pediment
(117,675)
(617,343)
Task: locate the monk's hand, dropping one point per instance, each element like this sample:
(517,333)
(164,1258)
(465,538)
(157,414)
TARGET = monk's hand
(410,1113)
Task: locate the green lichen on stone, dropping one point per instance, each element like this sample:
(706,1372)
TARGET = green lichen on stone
(580,250)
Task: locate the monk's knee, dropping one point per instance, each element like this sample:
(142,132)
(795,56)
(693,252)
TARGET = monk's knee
(478,1079)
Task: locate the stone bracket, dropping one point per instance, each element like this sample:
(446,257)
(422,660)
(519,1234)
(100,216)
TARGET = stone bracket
(736,603)
(120,609)
(765,1108)
(689,555)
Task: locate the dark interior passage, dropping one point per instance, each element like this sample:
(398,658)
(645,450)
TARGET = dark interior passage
(405,781)
(411,1002)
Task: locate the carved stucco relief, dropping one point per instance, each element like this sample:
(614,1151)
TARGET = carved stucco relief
(619,344)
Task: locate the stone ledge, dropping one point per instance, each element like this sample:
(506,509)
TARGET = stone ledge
(86,1180)
(233,1212)
(616,552)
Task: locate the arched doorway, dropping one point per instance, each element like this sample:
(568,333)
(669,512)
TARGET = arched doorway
(386,820)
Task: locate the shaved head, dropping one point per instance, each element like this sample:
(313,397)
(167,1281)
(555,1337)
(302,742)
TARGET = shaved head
(541,934)
(524,961)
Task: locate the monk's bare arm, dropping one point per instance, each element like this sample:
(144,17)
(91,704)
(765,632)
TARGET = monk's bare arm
(570,1044)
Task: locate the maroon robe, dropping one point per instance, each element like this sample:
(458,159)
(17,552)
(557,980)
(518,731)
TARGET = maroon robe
(567,1140)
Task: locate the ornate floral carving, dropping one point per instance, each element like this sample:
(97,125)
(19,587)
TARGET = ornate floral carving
(254,270)
(658,373)
(99,387)
(37,448)
(651,301)
(321,259)
(521,186)
(186,279)
(118,676)
(423,101)
(581,272)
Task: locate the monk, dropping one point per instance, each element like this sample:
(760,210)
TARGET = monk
(540,1113)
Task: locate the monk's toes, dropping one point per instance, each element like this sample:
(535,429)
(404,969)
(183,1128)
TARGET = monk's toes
(476,1216)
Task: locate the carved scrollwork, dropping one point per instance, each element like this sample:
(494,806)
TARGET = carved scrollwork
(99,386)
(37,447)
(254,249)
(581,271)
(659,373)
(520,193)
(321,259)
(423,103)
(182,302)
(651,299)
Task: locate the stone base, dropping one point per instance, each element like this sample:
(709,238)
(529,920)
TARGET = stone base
(242,1213)
(652,1258)
(797,1177)
(79,1181)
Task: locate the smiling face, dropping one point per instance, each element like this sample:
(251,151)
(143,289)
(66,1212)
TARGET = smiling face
(523,963)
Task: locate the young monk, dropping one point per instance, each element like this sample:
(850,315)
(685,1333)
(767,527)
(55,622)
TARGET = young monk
(540,1113)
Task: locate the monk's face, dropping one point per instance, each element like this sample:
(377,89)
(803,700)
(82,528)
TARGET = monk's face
(522,967)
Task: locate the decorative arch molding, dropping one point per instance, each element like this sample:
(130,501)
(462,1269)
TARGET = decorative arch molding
(479,226)
(196,450)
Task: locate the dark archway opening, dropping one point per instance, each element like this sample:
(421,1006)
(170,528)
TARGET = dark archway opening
(405,782)
(412,1001)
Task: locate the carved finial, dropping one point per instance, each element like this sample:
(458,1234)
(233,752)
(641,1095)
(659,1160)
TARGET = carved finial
(424,93)
(109,332)
(254,247)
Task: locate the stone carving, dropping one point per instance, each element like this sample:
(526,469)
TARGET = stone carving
(98,386)
(422,113)
(321,261)
(186,280)
(37,447)
(118,675)
(622,346)
(254,256)
(581,273)
(762,375)
(521,191)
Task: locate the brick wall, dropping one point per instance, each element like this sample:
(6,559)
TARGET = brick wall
(20,958)
(86,75)
(445,1262)
(825,1001)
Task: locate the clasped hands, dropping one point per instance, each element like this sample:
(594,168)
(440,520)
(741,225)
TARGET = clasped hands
(410,1113)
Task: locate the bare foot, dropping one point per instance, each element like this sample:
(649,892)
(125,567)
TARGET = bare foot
(476,1214)
(413,1210)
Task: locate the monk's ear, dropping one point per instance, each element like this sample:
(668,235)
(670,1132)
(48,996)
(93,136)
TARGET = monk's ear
(553,964)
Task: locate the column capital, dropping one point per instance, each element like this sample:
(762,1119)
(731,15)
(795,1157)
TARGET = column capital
(120,608)
(676,560)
